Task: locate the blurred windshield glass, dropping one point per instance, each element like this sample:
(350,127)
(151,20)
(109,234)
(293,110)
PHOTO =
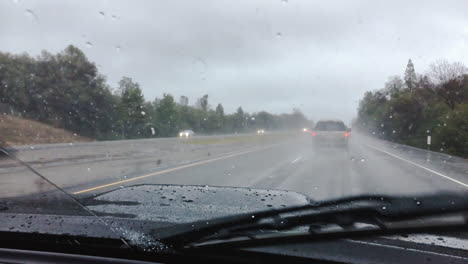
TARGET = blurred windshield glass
(100,97)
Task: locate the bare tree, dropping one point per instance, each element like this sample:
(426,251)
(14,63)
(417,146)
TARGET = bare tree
(393,85)
(442,71)
(449,81)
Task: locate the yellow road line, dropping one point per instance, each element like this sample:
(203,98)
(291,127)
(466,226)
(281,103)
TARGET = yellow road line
(172,169)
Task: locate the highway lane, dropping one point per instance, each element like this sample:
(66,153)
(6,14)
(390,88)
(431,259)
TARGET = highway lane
(368,167)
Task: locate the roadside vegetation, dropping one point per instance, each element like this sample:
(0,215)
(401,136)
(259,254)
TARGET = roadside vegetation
(409,109)
(66,91)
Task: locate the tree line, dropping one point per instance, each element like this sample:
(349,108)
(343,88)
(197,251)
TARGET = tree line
(409,109)
(67,91)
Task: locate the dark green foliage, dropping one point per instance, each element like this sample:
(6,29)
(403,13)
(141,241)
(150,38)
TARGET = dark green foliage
(408,116)
(67,91)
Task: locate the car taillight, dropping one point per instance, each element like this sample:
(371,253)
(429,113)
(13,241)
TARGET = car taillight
(346,134)
(314,133)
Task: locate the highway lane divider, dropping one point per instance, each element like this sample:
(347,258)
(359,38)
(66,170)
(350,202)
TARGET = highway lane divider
(420,166)
(193,164)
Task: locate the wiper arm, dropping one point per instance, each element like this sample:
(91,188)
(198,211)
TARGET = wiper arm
(384,213)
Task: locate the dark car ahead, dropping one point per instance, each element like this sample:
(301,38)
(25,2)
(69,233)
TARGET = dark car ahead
(330,133)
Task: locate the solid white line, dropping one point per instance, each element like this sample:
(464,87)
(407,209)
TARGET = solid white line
(229,155)
(296,160)
(420,166)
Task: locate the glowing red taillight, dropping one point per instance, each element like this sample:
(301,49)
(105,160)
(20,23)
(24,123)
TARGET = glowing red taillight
(314,133)
(346,134)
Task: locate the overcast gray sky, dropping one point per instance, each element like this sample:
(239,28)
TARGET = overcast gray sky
(319,56)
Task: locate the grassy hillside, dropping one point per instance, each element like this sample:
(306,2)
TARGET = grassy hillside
(19,131)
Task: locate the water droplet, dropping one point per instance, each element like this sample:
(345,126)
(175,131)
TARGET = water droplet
(75,134)
(381,125)
(445,124)
(253,216)
(121,187)
(89,169)
(279,34)
(390,116)
(384,208)
(31,147)
(362,160)
(393,131)
(315,188)
(89,44)
(143,113)
(418,202)
(32,15)
(102,14)
(117,48)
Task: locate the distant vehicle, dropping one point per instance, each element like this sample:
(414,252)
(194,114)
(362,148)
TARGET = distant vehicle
(186,133)
(261,131)
(331,133)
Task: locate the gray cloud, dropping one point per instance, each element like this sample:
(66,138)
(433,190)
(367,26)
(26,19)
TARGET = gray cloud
(319,56)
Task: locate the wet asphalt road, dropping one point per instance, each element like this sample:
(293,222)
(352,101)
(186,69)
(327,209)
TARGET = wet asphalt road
(368,166)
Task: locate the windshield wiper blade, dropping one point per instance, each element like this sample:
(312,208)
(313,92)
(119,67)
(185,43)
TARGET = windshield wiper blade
(382,212)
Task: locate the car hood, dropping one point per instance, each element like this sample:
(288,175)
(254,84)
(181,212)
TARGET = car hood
(132,212)
(183,204)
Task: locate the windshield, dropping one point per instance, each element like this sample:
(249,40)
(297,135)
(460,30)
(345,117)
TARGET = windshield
(180,111)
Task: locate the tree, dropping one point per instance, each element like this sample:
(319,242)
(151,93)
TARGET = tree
(184,101)
(202,103)
(168,116)
(219,116)
(239,120)
(410,76)
(442,71)
(131,109)
(394,85)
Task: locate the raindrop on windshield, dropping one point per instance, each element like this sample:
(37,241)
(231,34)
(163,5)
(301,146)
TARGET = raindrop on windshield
(89,169)
(102,14)
(117,48)
(384,208)
(418,202)
(279,34)
(89,44)
(143,113)
(253,216)
(32,15)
